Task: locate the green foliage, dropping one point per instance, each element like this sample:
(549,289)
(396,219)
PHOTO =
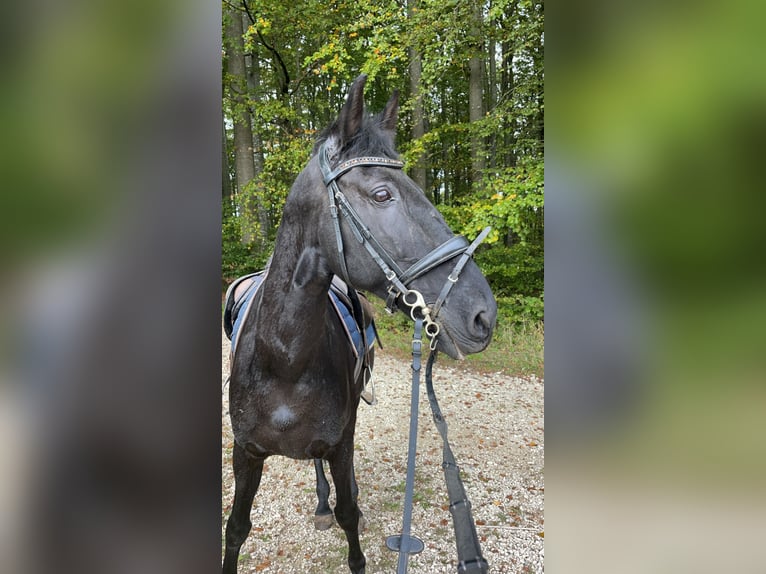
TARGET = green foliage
(511,201)
(303,56)
(519,309)
(515,269)
(512,258)
(283,162)
(237,258)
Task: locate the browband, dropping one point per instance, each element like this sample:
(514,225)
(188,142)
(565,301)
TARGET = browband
(343,167)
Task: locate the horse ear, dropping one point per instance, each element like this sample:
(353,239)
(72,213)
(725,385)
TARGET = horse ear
(350,118)
(389,116)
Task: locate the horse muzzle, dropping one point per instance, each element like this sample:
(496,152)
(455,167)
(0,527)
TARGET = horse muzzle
(468,334)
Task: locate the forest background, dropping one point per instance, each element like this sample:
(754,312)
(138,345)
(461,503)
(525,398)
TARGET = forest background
(470,77)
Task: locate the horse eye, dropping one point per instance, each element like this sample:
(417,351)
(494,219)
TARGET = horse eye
(381,195)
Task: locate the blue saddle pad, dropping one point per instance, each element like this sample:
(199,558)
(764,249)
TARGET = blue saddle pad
(352,329)
(237,309)
(240,309)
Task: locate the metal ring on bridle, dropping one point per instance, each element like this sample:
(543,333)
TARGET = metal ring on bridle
(417,304)
(432,328)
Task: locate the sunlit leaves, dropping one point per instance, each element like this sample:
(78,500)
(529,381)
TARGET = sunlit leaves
(366,39)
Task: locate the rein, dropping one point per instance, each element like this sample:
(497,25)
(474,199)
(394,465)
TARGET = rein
(469,554)
(470,559)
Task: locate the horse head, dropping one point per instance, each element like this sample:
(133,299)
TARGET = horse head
(378,230)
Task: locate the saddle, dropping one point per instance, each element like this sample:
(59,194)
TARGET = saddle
(347,304)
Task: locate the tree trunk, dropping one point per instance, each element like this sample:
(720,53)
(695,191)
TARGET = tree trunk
(539,120)
(253,71)
(475,92)
(446,169)
(243,133)
(506,88)
(418,172)
(225,175)
(492,97)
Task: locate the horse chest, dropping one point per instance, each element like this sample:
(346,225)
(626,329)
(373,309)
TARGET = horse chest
(297,420)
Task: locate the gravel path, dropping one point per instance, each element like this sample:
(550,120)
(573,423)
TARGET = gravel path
(496,431)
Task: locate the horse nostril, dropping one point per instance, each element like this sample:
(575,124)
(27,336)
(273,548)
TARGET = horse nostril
(482,324)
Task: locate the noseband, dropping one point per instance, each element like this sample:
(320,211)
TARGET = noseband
(396,277)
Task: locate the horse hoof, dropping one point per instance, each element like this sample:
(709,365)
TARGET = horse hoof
(323,521)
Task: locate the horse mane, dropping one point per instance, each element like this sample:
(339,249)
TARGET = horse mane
(372,139)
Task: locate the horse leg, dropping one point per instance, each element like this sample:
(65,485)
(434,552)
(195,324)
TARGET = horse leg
(323,517)
(355,494)
(346,510)
(247,477)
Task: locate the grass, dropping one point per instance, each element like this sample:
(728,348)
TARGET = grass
(516,349)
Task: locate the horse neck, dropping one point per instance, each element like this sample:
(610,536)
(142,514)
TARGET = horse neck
(293,308)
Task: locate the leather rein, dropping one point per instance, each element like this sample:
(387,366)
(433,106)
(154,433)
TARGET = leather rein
(425,316)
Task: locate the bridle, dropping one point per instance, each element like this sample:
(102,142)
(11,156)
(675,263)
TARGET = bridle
(396,277)
(469,548)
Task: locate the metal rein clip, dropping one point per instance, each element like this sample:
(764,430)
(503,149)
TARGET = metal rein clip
(414,299)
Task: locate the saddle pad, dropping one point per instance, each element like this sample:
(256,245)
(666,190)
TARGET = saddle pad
(242,292)
(352,329)
(241,304)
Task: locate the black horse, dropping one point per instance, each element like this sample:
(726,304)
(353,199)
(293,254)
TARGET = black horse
(354,213)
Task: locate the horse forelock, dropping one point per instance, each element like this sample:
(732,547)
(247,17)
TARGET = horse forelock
(370,140)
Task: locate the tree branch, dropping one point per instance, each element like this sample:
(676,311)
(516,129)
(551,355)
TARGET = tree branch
(305,74)
(285,85)
(232,6)
(247,11)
